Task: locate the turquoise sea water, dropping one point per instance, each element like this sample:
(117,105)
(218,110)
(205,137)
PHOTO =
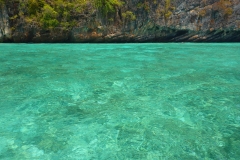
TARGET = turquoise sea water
(120,101)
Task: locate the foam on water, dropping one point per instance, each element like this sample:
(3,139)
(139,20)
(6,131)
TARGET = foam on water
(120,101)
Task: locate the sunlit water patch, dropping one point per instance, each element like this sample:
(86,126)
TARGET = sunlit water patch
(120,101)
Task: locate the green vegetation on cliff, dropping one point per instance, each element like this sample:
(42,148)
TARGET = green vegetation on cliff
(104,20)
(106,6)
(60,13)
(50,14)
(2,1)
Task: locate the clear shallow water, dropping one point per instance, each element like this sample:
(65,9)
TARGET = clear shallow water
(120,101)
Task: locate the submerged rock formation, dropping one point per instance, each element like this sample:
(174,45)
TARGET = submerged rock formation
(134,21)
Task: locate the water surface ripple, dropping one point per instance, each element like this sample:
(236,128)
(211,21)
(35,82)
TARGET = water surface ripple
(120,101)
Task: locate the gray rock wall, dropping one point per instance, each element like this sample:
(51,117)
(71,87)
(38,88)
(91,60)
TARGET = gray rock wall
(180,21)
(189,20)
(5,31)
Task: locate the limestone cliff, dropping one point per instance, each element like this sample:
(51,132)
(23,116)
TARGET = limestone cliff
(5,31)
(135,21)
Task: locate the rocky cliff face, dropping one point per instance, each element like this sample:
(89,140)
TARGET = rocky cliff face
(135,21)
(5,31)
